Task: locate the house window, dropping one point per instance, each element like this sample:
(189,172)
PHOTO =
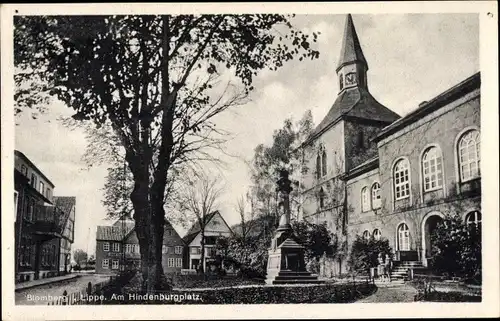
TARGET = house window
(376,198)
(136,248)
(365,199)
(469,155)
(116,265)
(403,237)
(377,235)
(116,247)
(105,263)
(196,250)
(402,179)
(105,246)
(33,180)
(178,250)
(366,235)
(171,262)
(42,188)
(323,163)
(164,249)
(49,193)
(178,262)
(341,81)
(24,170)
(432,169)
(473,219)
(321,198)
(31,210)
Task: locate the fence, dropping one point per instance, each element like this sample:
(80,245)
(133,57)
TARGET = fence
(90,295)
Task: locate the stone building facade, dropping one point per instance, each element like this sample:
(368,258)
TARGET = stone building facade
(373,173)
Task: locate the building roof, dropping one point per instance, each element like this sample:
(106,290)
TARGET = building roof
(66,204)
(112,233)
(362,168)
(355,102)
(461,89)
(351,48)
(196,229)
(30,163)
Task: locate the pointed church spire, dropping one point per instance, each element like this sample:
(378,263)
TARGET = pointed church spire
(351,49)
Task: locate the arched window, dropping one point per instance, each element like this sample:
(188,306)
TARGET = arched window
(403,237)
(469,155)
(366,235)
(318,166)
(321,198)
(401,177)
(365,200)
(323,163)
(432,169)
(473,219)
(376,199)
(377,235)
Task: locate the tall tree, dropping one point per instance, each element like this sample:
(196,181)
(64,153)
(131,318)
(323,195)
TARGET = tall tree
(157,81)
(198,201)
(80,256)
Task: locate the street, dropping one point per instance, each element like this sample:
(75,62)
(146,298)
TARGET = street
(36,295)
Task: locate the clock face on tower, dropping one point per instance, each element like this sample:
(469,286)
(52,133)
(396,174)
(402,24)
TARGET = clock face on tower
(350,78)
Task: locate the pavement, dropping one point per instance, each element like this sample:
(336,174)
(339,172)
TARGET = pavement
(34,283)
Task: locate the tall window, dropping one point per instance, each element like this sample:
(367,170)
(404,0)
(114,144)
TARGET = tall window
(377,235)
(321,198)
(341,81)
(473,219)
(24,170)
(323,163)
(432,169)
(164,249)
(365,199)
(366,235)
(116,265)
(318,166)
(402,179)
(105,263)
(33,180)
(16,196)
(42,188)
(171,262)
(178,250)
(105,246)
(116,247)
(469,155)
(376,198)
(403,237)
(178,262)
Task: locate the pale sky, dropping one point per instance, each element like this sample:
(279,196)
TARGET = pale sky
(411,58)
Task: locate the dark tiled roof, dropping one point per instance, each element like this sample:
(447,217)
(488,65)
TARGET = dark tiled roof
(195,228)
(112,233)
(351,48)
(65,204)
(355,102)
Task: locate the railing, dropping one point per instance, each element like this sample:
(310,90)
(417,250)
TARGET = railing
(90,295)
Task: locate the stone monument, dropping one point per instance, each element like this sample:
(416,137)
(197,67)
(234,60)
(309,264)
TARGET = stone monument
(285,262)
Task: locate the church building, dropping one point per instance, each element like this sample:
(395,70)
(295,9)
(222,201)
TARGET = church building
(369,172)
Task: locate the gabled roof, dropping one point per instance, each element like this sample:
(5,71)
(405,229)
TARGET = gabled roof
(66,204)
(112,233)
(196,229)
(355,102)
(351,48)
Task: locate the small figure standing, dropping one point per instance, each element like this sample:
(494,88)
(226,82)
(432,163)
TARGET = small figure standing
(388,266)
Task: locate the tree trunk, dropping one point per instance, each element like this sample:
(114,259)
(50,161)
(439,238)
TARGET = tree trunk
(149,223)
(203,249)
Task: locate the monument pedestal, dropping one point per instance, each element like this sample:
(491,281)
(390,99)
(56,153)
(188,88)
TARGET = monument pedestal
(285,264)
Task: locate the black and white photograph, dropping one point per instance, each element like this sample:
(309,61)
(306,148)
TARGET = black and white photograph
(258,158)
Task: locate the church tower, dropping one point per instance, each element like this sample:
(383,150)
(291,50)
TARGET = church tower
(343,140)
(352,66)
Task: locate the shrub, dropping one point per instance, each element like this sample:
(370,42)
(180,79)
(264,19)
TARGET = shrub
(457,248)
(364,253)
(437,296)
